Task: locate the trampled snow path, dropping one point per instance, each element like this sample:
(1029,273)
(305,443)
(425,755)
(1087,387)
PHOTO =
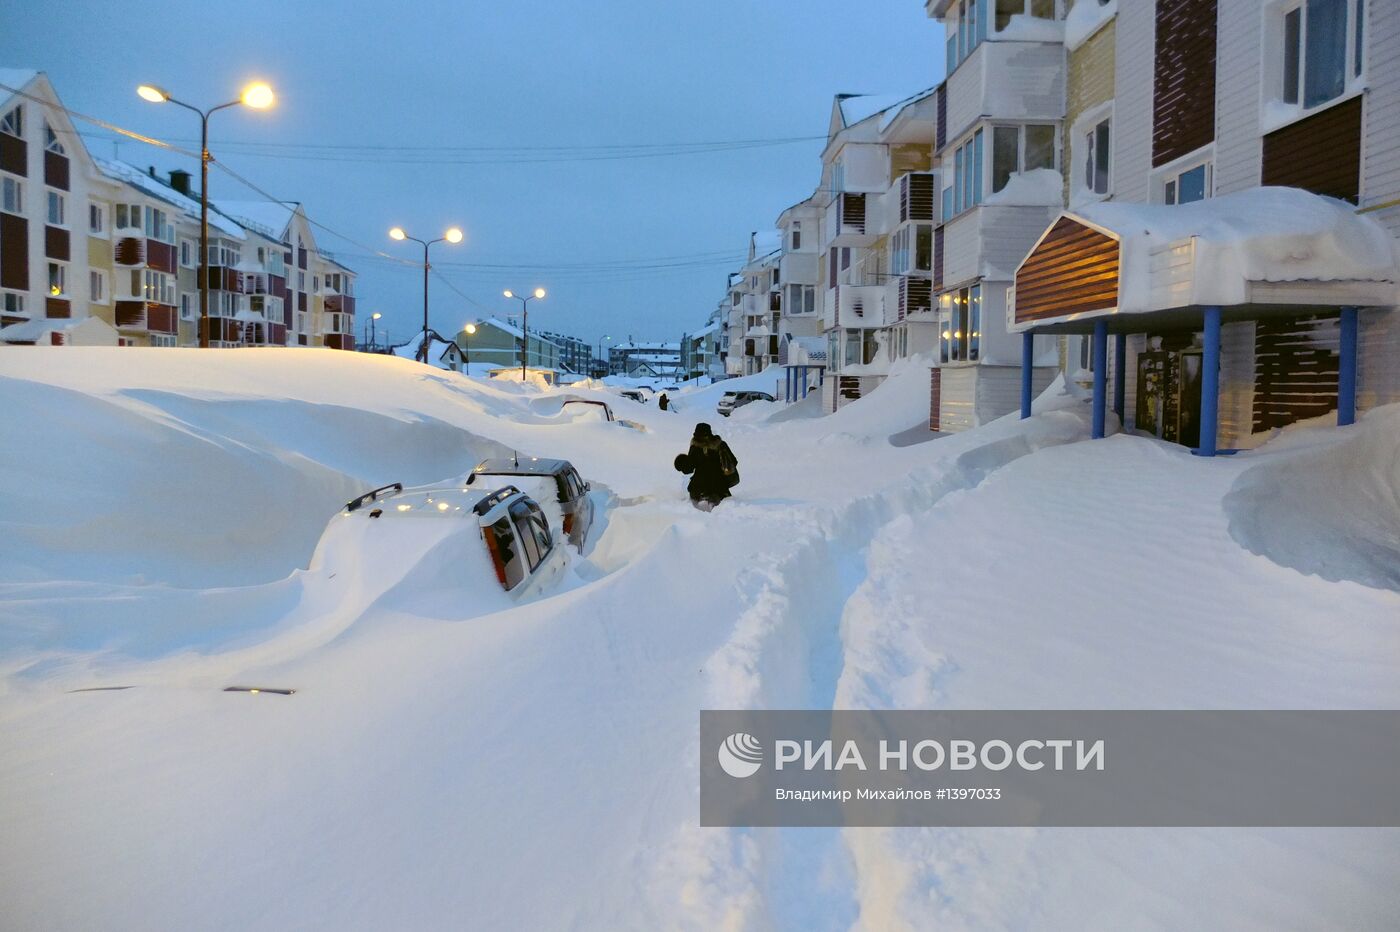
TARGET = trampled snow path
(446,763)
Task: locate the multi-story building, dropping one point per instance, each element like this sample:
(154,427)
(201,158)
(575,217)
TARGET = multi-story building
(640,358)
(1245,263)
(759,290)
(575,355)
(498,342)
(876,266)
(100,251)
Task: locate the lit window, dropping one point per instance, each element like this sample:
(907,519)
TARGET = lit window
(58,279)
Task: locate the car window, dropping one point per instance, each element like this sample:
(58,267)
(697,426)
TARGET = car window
(577,482)
(539,526)
(520,514)
(511,566)
(566,493)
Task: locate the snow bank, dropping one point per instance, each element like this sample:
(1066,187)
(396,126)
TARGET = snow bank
(1039,187)
(1333,511)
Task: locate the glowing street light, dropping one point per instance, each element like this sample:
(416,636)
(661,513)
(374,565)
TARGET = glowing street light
(452,235)
(524,323)
(256,96)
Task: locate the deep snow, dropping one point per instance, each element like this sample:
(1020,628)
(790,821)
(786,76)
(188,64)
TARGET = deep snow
(451,759)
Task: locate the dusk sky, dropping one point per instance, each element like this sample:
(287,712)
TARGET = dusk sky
(405,114)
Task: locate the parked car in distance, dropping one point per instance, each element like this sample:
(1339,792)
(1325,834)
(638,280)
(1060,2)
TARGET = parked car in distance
(574,503)
(635,395)
(514,531)
(732,400)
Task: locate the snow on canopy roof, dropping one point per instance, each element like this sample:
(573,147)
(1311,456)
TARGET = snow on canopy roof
(892,113)
(1260,235)
(141,180)
(270,217)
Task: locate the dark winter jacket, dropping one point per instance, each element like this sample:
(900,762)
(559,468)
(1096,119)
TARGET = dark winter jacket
(713,466)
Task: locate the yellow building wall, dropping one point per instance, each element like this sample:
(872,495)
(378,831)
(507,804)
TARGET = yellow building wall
(1090,83)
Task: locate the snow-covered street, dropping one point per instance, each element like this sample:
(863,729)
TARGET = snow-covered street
(452,759)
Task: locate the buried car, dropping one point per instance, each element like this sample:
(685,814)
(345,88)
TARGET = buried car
(513,529)
(584,405)
(732,400)
(574,504)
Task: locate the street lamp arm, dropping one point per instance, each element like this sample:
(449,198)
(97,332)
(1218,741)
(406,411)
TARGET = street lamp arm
(231,103)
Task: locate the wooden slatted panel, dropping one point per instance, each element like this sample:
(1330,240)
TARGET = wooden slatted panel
(933,397)
(14,250)
(130,251)
(853,212)
(56,170)
(1321,154)
(60,308)
(14,155)
(160,256)
(916,197)
(56,243)
(1295,370)
(1073,270)
(1183,99)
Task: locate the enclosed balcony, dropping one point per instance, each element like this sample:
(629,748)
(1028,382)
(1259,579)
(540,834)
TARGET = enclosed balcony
(844,222)
(1007,80)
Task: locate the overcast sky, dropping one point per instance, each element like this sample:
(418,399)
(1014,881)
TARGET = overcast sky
(407,80)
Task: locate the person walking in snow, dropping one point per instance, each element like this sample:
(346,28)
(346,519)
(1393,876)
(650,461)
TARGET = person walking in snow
(663,402)
(712,467)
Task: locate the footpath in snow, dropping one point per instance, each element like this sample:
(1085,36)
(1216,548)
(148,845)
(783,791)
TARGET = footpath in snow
(452,759)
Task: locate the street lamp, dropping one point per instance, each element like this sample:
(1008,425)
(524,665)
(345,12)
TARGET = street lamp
(524,323)
(468,330)
(372,318)
(607,368)
(453,235)
(257,96)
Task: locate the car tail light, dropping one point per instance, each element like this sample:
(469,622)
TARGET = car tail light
(496,561)
(568,524)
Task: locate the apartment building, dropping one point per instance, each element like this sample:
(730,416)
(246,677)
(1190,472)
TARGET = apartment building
(575,354)
(98,251)
(1234,202)
(876,213)
(759,292)
(498,342)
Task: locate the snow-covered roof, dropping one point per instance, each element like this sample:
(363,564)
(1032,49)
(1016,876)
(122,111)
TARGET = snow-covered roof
(1236,241)
(890,114)
(858,107)
(1086,18)
(145,183)
(269,217)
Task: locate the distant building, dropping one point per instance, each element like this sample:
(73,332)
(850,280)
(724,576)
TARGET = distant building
(575,355)
(82,237)
(651,359)
(498,342)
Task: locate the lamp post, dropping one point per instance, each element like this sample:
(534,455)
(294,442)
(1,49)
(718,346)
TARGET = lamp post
(257,96)
(467,331)
(369,324)
(606,368)
(453,235)
(524,323)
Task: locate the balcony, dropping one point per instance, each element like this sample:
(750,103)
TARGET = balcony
(146,316)
(989,241)
(1006,80)
(340,304)
(856,306)
(799,268)
(844,222)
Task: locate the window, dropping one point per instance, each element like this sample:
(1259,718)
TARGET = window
(301,281)
(187,251)
(801,299)
(51,143)
(967,174)
(1096,158)
(911,249)
(961,325)
(58,206)
(58,279)
(128,216)
(796,236)
(1183,186)
(163,339)
(12,123)
(1040,9)
(158,226)
(97,220)
(11,195)
(1020,148)
(12,302)
(157,287)
(97,286)
(1321,45)
(186,307)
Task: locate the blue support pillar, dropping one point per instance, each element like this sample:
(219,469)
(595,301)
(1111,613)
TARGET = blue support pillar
(1120,365)
(1027,367)
(1210,382)
(787,384)
(1346,370)
(804,381)
(1100,375)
